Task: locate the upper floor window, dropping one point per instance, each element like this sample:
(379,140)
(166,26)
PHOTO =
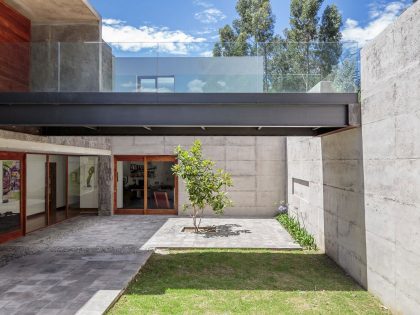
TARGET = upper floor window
(164,84)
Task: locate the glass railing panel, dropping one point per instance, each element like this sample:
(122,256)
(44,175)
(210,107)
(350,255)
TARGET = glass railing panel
(199,67)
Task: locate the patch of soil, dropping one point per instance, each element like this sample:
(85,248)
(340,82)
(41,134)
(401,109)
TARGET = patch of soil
(204,229)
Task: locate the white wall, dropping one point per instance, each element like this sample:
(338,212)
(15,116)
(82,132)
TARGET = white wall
(88,195)
(35,183)
(120,184)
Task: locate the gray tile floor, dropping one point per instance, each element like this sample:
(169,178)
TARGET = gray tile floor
(231,233)
(78,266)
(82,265)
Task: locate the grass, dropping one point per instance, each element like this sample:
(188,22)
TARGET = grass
(244,282)
(297,231)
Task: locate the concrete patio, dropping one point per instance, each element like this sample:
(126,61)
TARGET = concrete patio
(81,266)
(243,233)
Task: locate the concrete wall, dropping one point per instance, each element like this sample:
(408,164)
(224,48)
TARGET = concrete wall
(305,180)
(102,143)
(325,180)
(343,193)
(391,148)
(257,164)
(70,58)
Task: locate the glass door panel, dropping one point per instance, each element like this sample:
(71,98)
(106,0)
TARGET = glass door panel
(73,198)
(130,185)
(10,188)
(160,185)
(57,188)
(36,214)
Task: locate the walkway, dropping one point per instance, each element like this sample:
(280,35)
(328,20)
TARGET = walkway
(229,233)
(81,266)
(78,266)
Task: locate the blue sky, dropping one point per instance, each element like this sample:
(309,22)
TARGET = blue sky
(197,21)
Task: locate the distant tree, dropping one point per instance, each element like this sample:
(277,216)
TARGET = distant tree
(251,34)
(312,47)
(346,77)
(307,52)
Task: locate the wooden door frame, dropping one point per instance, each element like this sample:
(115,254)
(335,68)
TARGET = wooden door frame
(21,157)
(144,159)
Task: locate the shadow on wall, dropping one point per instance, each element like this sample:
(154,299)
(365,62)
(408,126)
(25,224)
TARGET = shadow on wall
(344,209)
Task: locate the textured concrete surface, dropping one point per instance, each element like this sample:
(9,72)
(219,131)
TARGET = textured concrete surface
(326,193)
(257,165)
(305,185)
(78,266)
(391,149)
(35,142)
(230,233)
(106,185)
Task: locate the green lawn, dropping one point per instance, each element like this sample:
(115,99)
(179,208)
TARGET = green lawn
(244,282)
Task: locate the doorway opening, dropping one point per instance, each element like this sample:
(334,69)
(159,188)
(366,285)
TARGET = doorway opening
(145,185)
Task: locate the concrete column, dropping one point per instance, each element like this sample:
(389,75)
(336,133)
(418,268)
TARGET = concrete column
(106,186)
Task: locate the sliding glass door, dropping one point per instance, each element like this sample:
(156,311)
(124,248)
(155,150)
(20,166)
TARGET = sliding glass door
(11,192)
(145,185)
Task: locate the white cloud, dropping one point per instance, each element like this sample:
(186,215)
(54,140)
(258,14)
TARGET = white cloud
(222,83)
(112,21)
(196,86)
(208,53)
(380,17)
(202,3)
(133,39)
(210,16)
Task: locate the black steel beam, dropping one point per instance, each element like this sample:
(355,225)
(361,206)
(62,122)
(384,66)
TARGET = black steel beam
(175,110)
(177,131)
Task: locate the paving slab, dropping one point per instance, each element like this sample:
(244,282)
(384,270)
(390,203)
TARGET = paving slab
(80,266)
(231,233)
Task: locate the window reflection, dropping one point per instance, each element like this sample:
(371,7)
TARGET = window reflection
(137,190)
(10,195)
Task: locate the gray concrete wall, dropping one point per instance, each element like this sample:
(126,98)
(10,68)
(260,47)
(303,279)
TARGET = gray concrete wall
(102,143)
(305,180)
(391,148)
(325,180)
(70,58)
(343,194)
(257,164)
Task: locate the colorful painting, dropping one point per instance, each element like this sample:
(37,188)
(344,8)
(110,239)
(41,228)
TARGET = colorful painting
(11,181)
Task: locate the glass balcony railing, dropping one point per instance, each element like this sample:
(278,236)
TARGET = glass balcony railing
(199,67)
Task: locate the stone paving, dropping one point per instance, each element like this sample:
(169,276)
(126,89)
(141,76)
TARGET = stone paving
(81,266)
(230,233)
(76,267)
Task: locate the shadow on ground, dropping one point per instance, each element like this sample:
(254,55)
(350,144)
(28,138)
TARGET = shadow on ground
(226,230)
(241,270)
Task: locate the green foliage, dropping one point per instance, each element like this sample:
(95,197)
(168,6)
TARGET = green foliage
(205,187)
(312,47)
(346,77)
(244,282)
(254,25)
(298,232)
(307,53)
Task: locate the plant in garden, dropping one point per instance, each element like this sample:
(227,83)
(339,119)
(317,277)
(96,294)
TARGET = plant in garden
(205,186)
(298,232)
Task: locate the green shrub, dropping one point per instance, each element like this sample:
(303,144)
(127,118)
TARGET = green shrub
(297,231)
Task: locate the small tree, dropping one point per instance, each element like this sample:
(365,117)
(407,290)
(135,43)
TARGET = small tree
(205,187)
